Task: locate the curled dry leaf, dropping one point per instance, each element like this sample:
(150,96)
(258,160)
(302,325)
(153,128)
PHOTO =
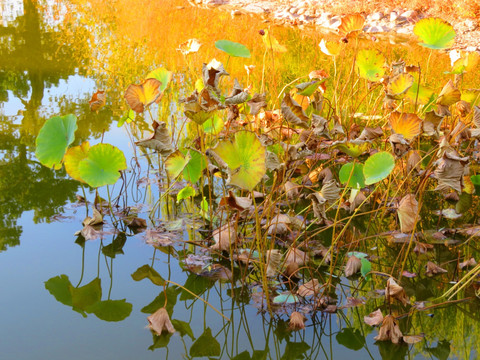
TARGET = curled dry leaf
(353,266)
(433,269)
(139,97)
(422,248)
(256,103)
(212,72)
(414,162)
(293,112)
(309,288)
(373,319)
(98,100)
(160,322)
(95,220)
(399,145)
(470,262)
(330,190)
(292,269)
(357,200)
(449,95)
(274,258)
(449,173)
(225,237)
(413,339)
(236,202)
(476,116)
(395,292)
(160,141)
(408,213)
(318,205)
(369,134)
(297,321)
(292,190)
(389,330)
(297,256)
(238,96)
(278,225)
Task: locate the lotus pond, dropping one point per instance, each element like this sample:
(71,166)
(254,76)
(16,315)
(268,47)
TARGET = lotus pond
(179,182)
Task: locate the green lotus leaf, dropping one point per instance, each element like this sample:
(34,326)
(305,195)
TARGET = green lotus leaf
(190,164)
(378,167)
(351,149)
(185,193)
(366,268)
(87,295)
(102,166)
(59,287)
(354,172)
(233,48)
(54,138)
(162,75)
(206,345)
(213,125)
(435,33)
(369,64)
(148,272)
(245,157)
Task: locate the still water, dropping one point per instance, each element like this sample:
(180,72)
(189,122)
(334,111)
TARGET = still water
(53,56)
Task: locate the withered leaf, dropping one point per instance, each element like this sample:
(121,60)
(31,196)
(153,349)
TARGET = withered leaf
(278,225)
(274,258)
(225,237)
(295,255)
(297,321)
(236,202)
(159,238)
(292,190)
(293,112)
(449,173)
(413,339)
(470,262)
(389,330)
(400,146)
(309,288)
(395,292)
(476,116)
(139,97)
(373,319)
(422,248)
(353,266)
(160,322)
(433,269)
(96,219)
(408,213)
(212,72)
(369,134)
(238,96)
(160,141)
(256,103)
(414,162)
(98,100)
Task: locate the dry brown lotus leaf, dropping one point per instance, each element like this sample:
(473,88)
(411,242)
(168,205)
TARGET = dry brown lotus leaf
(212,72)
(413,339)
(414,162)
(139,97)
(293,112)
(225,237)
(449,95)
(399,145)
(352,302)
(433,117)
(295,255)
(461,132)
(98,100)
(353,266)
(434,269)
(160,141)
(476,116)
(239,95)
(449,173)
(318,205)
(389,330)
(311,287)
(292,190)
(135,222)
(160,238)
(351,25)
(374,318)
(278,225)
(422,248)
(292,270)
(236,202)
(272,162)
(96,219)
(467,263)
(442,111)
(274,259)
(256,103)
(408,213)
(428,129)
(90,232)
(330,190)
(394,291)
(160,322)
(369,134)
(463,108)
(297,321)
(302,100)
(407,124)
(357,200)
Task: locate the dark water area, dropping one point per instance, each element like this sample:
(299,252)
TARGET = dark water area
(67,295)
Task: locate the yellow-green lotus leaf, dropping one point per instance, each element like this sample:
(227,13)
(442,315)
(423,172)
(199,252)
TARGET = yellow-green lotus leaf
(73,157)
(435,33)
(369,64)
(399,85)
(420,94)
(245,157)
(449,95)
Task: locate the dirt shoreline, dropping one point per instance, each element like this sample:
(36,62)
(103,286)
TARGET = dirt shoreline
(315,12)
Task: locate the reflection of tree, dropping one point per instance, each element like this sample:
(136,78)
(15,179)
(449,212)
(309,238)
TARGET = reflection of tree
(33,56)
